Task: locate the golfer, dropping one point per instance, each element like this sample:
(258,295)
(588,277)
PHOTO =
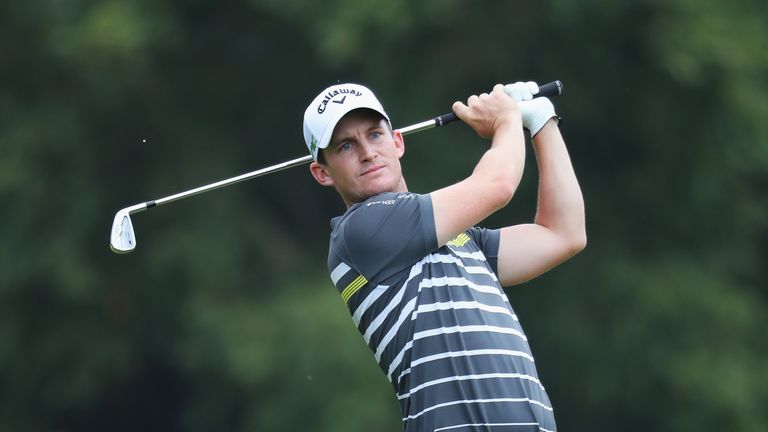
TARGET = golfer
(424,284)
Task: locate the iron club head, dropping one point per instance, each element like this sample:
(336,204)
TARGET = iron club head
(122,238)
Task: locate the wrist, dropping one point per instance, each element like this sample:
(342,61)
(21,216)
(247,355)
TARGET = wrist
(511,119)
(536,113)
(547,132)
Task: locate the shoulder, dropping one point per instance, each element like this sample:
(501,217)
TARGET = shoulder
(384,232)
(372,210)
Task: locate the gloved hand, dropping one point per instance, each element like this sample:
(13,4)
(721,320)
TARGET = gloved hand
(521,91)
(536,112)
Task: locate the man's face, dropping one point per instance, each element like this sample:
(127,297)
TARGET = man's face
(362,158)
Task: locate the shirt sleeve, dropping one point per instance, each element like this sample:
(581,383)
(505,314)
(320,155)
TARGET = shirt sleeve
(488,240)
(389,233)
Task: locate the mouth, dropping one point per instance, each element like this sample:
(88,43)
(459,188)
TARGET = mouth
(372,170)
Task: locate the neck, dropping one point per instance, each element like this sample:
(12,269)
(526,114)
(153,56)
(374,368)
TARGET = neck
(401,187)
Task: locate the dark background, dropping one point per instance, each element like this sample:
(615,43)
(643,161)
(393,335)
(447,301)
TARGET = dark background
(225,319)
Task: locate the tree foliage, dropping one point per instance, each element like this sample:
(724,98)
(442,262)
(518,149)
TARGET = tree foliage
(224,317)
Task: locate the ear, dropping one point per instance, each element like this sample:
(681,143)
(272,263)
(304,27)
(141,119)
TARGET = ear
(321,174)
(399,143)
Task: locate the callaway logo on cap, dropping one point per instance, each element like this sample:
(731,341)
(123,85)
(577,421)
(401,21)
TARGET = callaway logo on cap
(333,103)
(337,96)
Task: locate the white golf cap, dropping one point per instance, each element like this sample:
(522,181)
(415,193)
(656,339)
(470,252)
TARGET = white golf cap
(329,107)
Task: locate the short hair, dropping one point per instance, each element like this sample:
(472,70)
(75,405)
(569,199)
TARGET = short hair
(320,157)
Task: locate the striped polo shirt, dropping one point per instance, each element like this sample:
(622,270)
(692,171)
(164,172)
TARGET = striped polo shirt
(437,321)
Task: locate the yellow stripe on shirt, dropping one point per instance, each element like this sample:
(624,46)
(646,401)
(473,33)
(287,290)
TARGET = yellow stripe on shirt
(460,240)
(353,287)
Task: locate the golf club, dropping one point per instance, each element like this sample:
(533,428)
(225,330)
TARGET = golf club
(123,239)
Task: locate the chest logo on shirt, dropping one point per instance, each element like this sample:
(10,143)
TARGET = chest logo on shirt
(460,240)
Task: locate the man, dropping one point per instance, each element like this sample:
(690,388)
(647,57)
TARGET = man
(422,283)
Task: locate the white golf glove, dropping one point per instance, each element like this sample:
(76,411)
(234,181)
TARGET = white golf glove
(521,91)
(536,112)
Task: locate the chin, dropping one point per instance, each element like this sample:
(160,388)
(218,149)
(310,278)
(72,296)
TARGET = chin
(384,185)
(375,187)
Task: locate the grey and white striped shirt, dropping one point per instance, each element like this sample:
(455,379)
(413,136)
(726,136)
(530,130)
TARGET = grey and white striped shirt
(438,322)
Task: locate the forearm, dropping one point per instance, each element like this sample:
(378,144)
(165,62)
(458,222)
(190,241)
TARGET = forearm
(489,188)
(495,177)
(501,167)
(560,202)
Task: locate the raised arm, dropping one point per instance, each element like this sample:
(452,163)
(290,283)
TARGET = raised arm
(495,177)
(558,231)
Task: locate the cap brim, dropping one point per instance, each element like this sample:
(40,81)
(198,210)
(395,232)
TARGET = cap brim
(325,139)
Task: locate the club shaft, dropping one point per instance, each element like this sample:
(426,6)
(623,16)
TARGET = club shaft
(230,181)
(553,88)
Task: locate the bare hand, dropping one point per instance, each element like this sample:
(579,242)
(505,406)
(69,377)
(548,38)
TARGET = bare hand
(488,112)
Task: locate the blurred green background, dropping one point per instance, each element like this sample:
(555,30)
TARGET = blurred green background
(225,319)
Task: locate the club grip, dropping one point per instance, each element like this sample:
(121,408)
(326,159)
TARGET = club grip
(444,119)
(554,88)
(550,89)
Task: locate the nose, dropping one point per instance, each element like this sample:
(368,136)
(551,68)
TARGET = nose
(367,152)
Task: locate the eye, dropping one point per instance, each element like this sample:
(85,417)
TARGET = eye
(344,146)
(375,134)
